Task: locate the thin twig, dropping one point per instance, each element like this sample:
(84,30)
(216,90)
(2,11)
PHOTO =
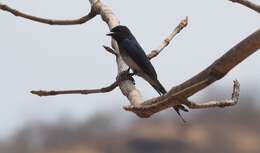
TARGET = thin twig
(121,77)
(81,20)
(168,39)
(86,91)
(222,103)
(110,50)
(248,4)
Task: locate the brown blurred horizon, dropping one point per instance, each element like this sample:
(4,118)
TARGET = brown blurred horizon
(233,130)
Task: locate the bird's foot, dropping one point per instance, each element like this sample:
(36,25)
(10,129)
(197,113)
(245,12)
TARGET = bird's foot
(132,73)
(126,75)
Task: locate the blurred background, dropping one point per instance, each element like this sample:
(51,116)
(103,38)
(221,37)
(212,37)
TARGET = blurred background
(36,56)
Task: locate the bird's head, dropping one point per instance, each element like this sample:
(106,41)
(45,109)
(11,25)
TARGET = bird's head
(119,33)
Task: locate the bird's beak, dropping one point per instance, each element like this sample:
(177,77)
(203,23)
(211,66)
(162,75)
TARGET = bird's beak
(110,34)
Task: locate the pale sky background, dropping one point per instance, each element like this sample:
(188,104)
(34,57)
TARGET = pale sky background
(38,56)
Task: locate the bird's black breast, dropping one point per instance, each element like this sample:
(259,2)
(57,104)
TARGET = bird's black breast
(132,49)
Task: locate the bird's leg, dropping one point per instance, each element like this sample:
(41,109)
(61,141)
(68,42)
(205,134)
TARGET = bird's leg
(133,73)
(126,75)
(128,70)
(125,72)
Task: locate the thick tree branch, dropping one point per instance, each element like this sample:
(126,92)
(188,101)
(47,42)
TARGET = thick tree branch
(167,40)
(248,4)
(127,86)
(221,66)
(81,20)
(177,95)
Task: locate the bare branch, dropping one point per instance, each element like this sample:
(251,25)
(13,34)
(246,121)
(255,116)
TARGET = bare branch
(127,86)
(81,20)
(177,95)
(221,66)
(86,91)
(167,40)
(222,103)
(121,77)
(248,4)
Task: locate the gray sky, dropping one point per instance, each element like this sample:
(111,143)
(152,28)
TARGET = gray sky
(39,56)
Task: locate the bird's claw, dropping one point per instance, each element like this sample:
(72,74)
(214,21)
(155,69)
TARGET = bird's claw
(126,75)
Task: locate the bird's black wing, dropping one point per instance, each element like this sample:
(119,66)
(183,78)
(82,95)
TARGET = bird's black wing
(136,52)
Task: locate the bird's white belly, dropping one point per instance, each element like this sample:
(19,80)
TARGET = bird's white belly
(131,63)
(136,68)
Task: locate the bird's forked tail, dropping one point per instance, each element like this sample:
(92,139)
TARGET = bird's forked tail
(161,90)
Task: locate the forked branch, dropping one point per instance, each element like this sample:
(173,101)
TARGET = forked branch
(221,103)
(179,94)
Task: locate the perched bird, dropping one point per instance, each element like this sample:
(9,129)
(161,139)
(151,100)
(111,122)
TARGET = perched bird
(135,57)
